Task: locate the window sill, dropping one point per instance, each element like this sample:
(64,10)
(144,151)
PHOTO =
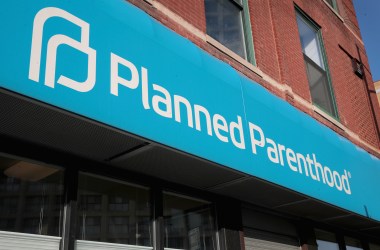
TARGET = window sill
(233,55)
(329,118)
(334,11)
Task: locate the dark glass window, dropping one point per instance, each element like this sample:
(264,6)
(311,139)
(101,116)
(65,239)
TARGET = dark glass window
(118,225)
(113,211)
(92,202)
(316,67)
(89,227)
(352,243)
(188,223)
(326,240)
(28,197)
(118,203)
(224,20)
(333,4)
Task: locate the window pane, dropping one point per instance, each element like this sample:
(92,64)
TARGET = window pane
(30,197)
(331,3)
(352,244)
(188,223)
(319,87)
(111,211)
(326,245)
(225,24)
(309,41)
(326,240)
(353,248)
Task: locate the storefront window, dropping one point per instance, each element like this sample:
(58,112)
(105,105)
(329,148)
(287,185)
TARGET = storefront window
(352,244)
(113,211)
(326,240)
(188,223)
(30,197)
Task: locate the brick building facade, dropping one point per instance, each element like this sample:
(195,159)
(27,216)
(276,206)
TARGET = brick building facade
(275,36)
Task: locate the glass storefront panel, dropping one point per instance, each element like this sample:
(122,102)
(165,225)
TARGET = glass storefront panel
(188,223)
(326,240)
(30,197)
(113,211)
(352,243)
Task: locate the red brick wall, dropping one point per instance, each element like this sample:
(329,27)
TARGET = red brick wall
(347,11)
(190,10)
(291,64)
(278,54)
(265,45)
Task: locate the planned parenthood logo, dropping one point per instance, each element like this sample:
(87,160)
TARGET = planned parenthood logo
(52,46)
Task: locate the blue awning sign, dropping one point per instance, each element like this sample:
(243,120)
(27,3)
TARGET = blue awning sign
(111,62)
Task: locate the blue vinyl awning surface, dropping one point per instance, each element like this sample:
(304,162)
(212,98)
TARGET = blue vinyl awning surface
(111,62)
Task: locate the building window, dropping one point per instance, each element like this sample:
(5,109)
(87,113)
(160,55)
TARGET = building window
(316,65)
(30,197)
(326,240)
(333,4)
(188,223)
(228,22)
(352,243)
(113,211)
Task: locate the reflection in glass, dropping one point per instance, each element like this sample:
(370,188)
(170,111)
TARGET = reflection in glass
(352,243)
(224,24)
(319,86)
(326,245)
(331,3)
(188,223)
(112,211)
(310,42)
(326,240)
(30,197)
